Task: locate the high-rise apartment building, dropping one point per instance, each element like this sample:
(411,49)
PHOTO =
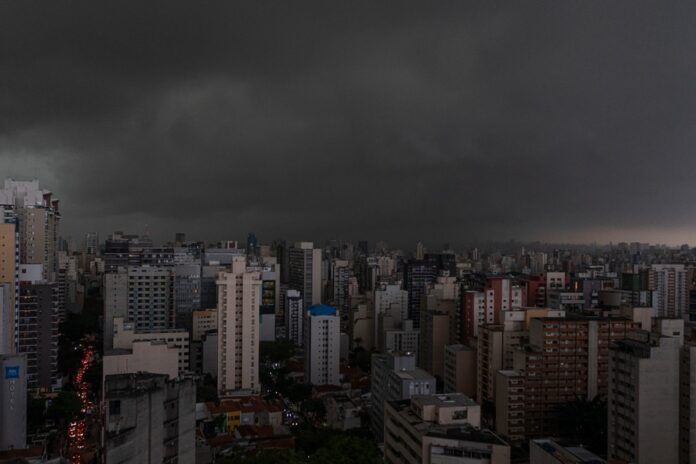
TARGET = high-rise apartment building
(566,358)
(305,272)
(417,275)
(149,419)
(239,299)
(204,321)
(395,377)
(322,345)
(9,275)
(142,295)
(37,329)
(294,317)
(400,340)
(687,403)
(669,283)
(186,292)
(643,400)
(341,273)
(390,304)
(38,218)
(460,370)
(434,335)
(487,306)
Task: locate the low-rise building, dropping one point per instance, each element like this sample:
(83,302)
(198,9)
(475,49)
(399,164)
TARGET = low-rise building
(342,412)
(439,429)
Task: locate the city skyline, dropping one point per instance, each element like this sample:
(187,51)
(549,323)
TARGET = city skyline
(443,123)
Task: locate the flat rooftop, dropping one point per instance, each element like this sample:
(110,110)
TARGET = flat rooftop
(444,400)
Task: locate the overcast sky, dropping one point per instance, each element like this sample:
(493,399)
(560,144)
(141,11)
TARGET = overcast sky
(441,121)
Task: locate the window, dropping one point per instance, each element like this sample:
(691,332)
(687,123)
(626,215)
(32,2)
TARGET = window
(115,407)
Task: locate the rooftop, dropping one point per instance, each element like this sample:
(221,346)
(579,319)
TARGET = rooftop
(570,454)
(465,432)
(449,399)
(322,310)
(415,374)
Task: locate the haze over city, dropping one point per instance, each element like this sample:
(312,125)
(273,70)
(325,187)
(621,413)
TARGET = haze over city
(366,232)
(445,122)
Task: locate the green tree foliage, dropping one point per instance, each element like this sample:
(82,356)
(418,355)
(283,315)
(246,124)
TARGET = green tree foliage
(265,457)
(64,407)
(347,449)
(299,392)
(278,351)
(331,446)
(585,422)
(323,446)
(36,414)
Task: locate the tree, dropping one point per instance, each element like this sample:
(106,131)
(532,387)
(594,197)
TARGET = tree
(585,422)
(278,351)
(326,446)
(36,413)
(346,449)
(65,406)
(299,392)
(206,394)
(265,457)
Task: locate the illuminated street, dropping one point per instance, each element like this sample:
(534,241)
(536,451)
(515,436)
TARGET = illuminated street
(77,429)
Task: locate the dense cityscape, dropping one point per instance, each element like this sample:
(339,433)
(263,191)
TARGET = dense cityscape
(364,232)
(125,350)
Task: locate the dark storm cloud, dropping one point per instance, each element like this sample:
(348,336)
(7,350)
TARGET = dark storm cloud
(446,121)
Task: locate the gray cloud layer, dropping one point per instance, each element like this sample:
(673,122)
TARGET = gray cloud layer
(446,121)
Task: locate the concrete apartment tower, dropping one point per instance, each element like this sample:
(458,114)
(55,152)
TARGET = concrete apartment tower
(9,273)
(305,272)
(294,317)
(38,219)
(149,418)
(142,295)
(322,345)
(239,299)
(669,283)
(643,399)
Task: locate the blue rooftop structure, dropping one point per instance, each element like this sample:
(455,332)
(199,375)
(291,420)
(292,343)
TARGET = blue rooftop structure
(322,310)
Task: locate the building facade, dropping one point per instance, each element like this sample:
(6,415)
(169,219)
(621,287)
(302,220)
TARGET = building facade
(322,330)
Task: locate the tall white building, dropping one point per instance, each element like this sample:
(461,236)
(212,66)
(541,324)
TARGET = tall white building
(304,262)
(322,345)
(294,317)
(643,400)
(671,291)
(239,299)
